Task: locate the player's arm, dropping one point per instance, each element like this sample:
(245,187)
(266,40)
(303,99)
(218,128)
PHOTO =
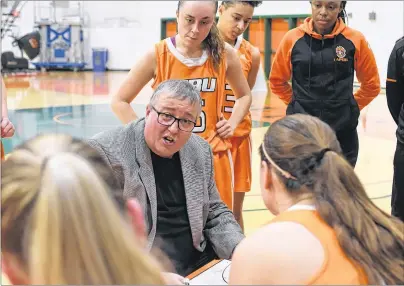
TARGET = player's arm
(281,70)
(367,74)
(255,65)
(394,86)
(240,87)
(140,74)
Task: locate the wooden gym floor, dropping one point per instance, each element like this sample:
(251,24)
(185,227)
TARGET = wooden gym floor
(78,103)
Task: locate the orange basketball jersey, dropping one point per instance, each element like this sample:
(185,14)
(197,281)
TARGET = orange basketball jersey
(337,268)
(2,151)
(201,73)
(244,50)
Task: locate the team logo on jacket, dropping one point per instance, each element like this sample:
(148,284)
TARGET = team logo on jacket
(341,54)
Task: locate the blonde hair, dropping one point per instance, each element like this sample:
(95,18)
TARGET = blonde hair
(60,221)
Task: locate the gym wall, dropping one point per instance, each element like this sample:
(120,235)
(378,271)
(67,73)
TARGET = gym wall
(129,28)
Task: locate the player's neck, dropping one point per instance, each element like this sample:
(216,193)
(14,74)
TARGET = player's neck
(230,41)
(188,51)
(226,39)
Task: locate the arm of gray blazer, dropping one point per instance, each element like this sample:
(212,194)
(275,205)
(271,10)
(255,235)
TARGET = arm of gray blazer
(97,146)
(221,229)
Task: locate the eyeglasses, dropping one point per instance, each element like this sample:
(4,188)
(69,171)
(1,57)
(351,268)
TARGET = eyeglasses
(168,120)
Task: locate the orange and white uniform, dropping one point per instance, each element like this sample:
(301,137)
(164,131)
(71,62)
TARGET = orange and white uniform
(337,268)
(200,72)
(241,140)
(2,151)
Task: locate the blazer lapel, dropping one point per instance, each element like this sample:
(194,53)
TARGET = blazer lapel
(146,173)
(194,191)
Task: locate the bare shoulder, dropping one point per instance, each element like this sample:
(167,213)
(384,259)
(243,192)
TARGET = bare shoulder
(255,56)
(230,51)
(231,56)
(255,52)
(269,255)
(139,75)
(228,48)
(149,58)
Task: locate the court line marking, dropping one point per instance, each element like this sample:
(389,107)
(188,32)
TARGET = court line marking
(56,118)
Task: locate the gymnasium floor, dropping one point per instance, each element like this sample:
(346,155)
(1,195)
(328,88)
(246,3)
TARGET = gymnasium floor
(78,103)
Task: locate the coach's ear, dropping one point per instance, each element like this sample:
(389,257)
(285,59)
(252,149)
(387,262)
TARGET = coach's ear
(137,220)
(148,109)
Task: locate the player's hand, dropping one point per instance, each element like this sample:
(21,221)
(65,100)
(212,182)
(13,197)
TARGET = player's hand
(7,128)
(363,117)
(173,279)
(224,129)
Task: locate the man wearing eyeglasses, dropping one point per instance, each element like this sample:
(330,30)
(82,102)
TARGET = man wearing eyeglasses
(159,161)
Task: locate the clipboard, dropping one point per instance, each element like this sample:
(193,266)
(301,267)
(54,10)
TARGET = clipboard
(215,272)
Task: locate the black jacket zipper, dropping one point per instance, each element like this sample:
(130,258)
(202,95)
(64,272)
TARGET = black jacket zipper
(322,83)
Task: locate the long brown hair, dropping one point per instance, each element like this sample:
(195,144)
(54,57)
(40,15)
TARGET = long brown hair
(214,42)
(62,217)
(308,150)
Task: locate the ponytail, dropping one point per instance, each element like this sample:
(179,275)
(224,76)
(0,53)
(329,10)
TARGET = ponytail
(367,235)
(215,45)
(307,149)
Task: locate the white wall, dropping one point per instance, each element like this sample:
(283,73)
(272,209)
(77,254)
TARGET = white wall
(126,42)
(25,25)
(381,33)
(129,28)
(283,8)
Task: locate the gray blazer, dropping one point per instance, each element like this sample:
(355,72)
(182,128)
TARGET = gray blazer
(125,149)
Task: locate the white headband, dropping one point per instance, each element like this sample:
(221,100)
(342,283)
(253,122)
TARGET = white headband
(284,173)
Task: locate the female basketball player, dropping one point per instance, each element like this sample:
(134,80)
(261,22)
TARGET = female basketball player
(61,223)
(234,18)
(326,229)
(324,54)
(7,127)
(197,53)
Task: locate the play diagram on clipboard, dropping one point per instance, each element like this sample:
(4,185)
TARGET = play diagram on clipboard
(214,273)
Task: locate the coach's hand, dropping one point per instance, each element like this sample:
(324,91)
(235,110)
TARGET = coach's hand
(224,128)
(173,279)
